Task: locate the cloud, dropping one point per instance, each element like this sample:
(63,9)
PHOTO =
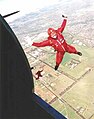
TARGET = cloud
(25,6)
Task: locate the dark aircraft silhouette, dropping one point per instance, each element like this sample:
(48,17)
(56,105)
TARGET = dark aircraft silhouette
(17,97)
(7,15)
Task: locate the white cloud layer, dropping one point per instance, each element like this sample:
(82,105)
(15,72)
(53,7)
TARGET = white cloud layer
(25,6)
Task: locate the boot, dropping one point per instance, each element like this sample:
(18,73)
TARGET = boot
(56,67)
(79,53)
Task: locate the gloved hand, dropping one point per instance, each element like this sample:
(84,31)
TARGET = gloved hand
(64,16)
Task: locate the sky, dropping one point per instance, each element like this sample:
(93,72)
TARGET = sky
(24,6)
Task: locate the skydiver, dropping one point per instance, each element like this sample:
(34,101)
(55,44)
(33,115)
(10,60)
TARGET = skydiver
(58,42)
(38,74)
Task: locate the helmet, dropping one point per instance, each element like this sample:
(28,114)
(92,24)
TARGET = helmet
(50,30)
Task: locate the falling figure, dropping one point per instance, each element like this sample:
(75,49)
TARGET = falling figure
(38,74)
(58,42)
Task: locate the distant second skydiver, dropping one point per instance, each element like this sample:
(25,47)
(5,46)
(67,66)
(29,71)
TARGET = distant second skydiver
(38,74)
(58,42)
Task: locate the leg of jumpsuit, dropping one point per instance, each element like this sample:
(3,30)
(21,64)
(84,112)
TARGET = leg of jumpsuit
(59,57)
(71,49)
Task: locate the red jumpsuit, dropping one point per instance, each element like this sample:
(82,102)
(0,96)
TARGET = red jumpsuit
(59,44)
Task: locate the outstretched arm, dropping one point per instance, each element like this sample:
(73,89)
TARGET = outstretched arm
(42,44)
(61,28)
